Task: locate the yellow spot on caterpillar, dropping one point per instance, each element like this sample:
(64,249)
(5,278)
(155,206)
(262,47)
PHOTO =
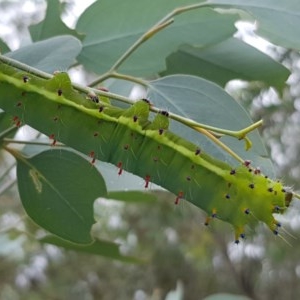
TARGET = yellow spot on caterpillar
(214,213)
(239,233)
(34,175)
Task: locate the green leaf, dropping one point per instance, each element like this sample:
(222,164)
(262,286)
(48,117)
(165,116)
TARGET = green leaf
(98,247)
(207,103)
(58,189)
(133,196)
(110,32)
(230,59)
(278,21)
(54,54)
(52,25)
(3,47)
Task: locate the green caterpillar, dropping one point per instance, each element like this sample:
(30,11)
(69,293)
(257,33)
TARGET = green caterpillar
(241,196)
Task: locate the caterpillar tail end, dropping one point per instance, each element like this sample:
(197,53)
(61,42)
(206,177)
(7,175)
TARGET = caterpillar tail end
(239,234)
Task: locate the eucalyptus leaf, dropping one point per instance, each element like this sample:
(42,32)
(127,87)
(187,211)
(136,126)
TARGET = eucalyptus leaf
(57,53)
(230,59)
(98,247)
(112,26)
(278,21)
(52,25)
(138,197)
(58,189)
(207,103)
(3,47)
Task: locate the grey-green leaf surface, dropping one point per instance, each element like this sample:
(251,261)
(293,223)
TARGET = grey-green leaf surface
(52,25)
(207,103)
(58,189)
(278,21)
(112,26)
(138,197)
(230,59)
(127,181)
(98,247)
(57,53)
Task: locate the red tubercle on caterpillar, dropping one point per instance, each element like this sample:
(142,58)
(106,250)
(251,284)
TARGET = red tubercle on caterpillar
(52,137)
(288,198)
(147,181)
(120,167)
(247,163)
(257,171)
(92,155)
(16,120)
(103,89)
(179,196)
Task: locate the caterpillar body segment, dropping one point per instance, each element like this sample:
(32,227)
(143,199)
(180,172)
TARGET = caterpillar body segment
(127,139)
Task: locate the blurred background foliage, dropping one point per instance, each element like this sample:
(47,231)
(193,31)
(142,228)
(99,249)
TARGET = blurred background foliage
(181,253)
